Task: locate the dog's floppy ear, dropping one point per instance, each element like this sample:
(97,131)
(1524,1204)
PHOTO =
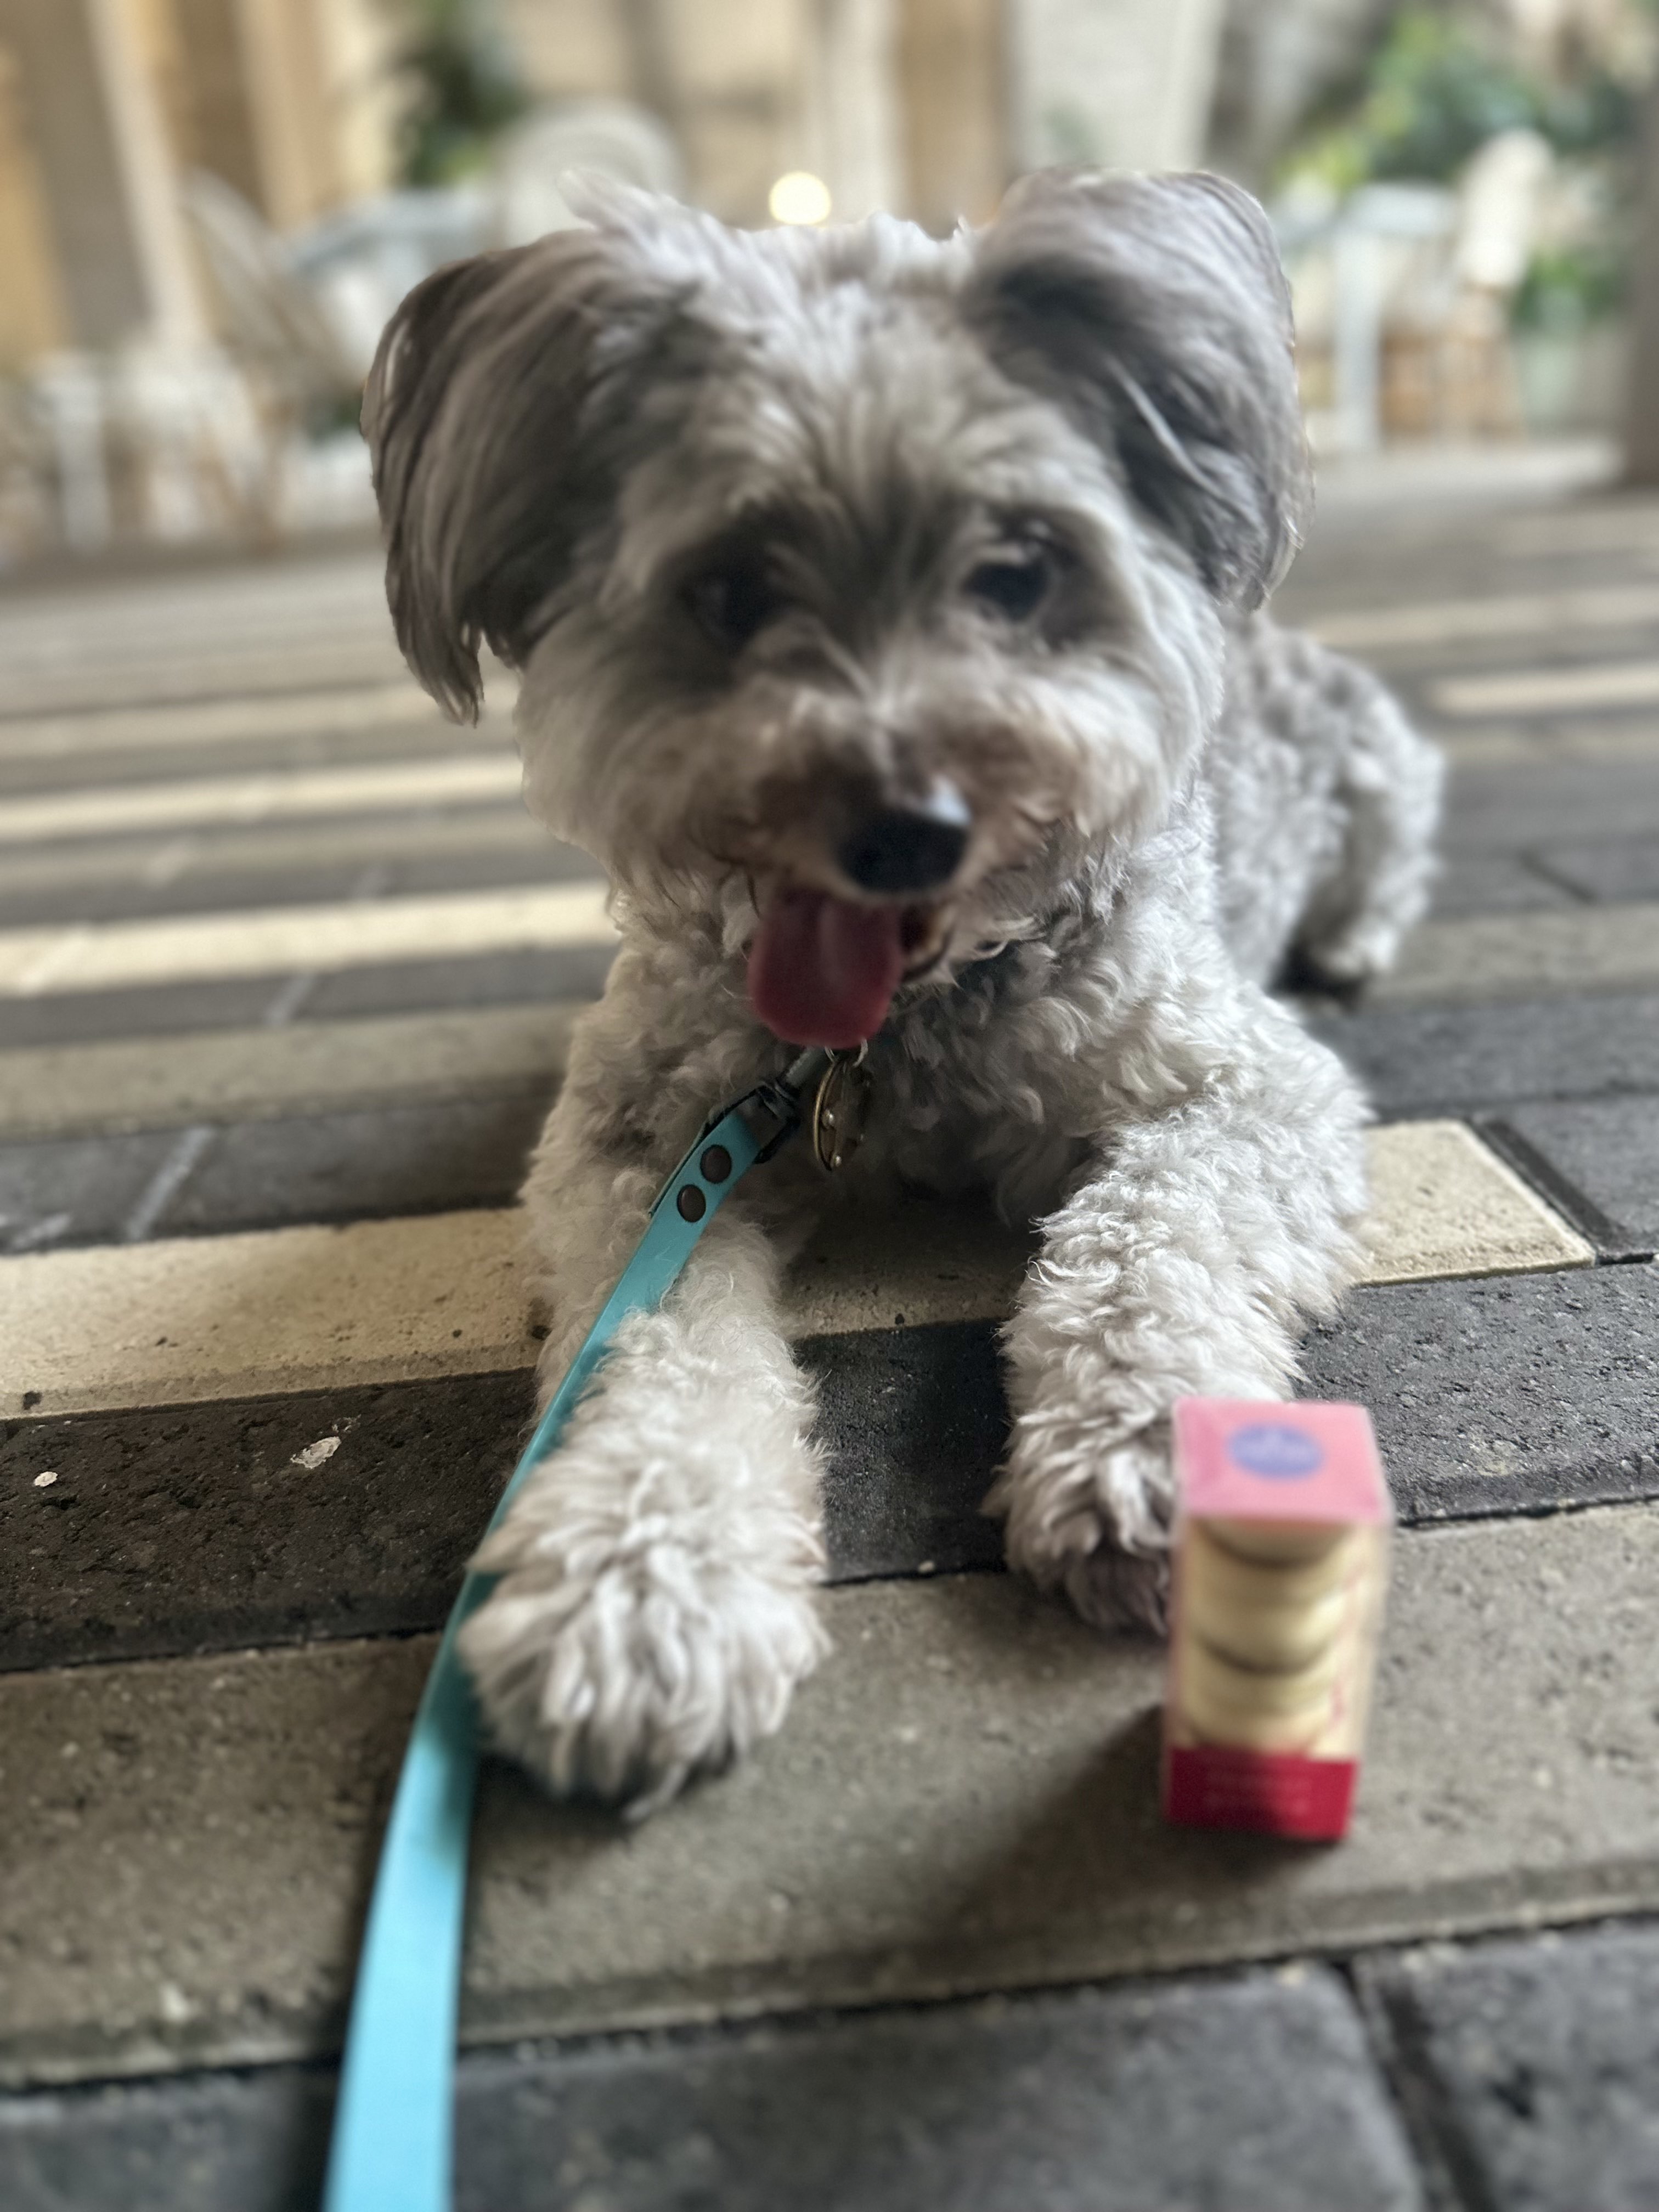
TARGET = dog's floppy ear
(489,414)
(1154,310)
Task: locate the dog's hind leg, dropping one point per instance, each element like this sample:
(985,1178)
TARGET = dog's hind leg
(655,1608)
(1388,789)
(1183,1264)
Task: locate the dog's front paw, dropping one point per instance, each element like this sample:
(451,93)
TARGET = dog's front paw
(621,1675)
(1091,1519)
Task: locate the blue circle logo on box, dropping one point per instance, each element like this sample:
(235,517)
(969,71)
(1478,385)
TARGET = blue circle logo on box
(1275,1450)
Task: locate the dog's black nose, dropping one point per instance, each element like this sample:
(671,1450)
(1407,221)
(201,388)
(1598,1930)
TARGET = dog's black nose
(909,849)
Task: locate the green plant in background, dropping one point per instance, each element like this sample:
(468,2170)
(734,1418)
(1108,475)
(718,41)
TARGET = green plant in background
(461,89)
(1567,288)
(1439,86)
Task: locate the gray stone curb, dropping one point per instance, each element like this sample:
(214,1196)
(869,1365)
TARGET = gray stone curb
(1254,2094)
(1528,2066)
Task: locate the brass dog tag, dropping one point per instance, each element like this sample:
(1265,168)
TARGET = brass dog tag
(840,1109)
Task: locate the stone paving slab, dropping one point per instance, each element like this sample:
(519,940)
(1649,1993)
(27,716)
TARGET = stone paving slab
(1626,522)
(352,1511)
(1428,1059)
(233,1315)
(429,1155)
(165,1010)
(1608,947)
(1612,1240)
(1605,1153)
(1520,1393)
(76,620)
(436,1156)
(1520,804)
(214,1527)
(1441,1205)
(378,769)
(1533,2065)
(281,940)
(1463,682)
(259,1074)
(1498,883)
(1598,740)
(300,1308)
(185,673)
(373,840)
(82,1187)
(137,897)
(1612,868)
(61,797)
(1515,616)
(204,890)
(1564,686)
(537,977)
(1249,2094)
(215,721)
(287,1309)
(964,1800)
(188,1527)
(1485,956)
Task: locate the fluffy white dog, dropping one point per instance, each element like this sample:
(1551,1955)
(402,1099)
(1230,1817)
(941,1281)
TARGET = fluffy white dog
(888,611)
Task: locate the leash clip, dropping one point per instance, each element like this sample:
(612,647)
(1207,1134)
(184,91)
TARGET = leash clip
(776,1104)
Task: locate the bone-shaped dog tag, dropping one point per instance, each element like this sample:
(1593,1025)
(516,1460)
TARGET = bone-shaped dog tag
(840,1109)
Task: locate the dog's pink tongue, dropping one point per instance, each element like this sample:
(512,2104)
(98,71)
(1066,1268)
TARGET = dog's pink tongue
(823,970)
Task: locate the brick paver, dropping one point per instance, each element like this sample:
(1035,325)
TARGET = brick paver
(276,942)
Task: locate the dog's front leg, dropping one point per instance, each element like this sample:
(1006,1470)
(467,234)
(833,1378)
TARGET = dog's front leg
(655,1608)
(1182,1264)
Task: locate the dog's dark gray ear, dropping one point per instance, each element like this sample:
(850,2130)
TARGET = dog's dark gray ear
(1154,310)
(484,416)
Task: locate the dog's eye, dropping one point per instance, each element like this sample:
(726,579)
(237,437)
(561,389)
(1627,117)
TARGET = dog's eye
(733,603)
(1014,583)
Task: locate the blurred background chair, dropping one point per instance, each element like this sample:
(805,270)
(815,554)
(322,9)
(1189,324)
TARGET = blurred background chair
(298,370)
(209,208)
(602,138)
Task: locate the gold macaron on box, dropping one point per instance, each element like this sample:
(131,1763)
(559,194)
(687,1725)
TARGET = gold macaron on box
(1283,1518)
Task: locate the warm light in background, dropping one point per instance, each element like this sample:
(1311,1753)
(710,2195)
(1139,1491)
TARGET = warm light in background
(800,197)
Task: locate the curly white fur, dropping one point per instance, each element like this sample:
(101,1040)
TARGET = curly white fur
(581,448)
(655,1610)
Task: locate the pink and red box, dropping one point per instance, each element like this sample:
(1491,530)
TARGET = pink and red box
(1283,1517)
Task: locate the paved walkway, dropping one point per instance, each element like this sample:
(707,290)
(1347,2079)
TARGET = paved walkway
(285,985)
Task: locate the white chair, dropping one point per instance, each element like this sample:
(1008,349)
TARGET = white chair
(602,138)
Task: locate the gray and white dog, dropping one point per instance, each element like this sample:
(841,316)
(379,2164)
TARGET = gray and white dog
(888,612)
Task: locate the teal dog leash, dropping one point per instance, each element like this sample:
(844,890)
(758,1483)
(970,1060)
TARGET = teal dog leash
(393,2124)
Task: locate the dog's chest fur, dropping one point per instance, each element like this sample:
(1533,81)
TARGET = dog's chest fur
(1006,1079)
